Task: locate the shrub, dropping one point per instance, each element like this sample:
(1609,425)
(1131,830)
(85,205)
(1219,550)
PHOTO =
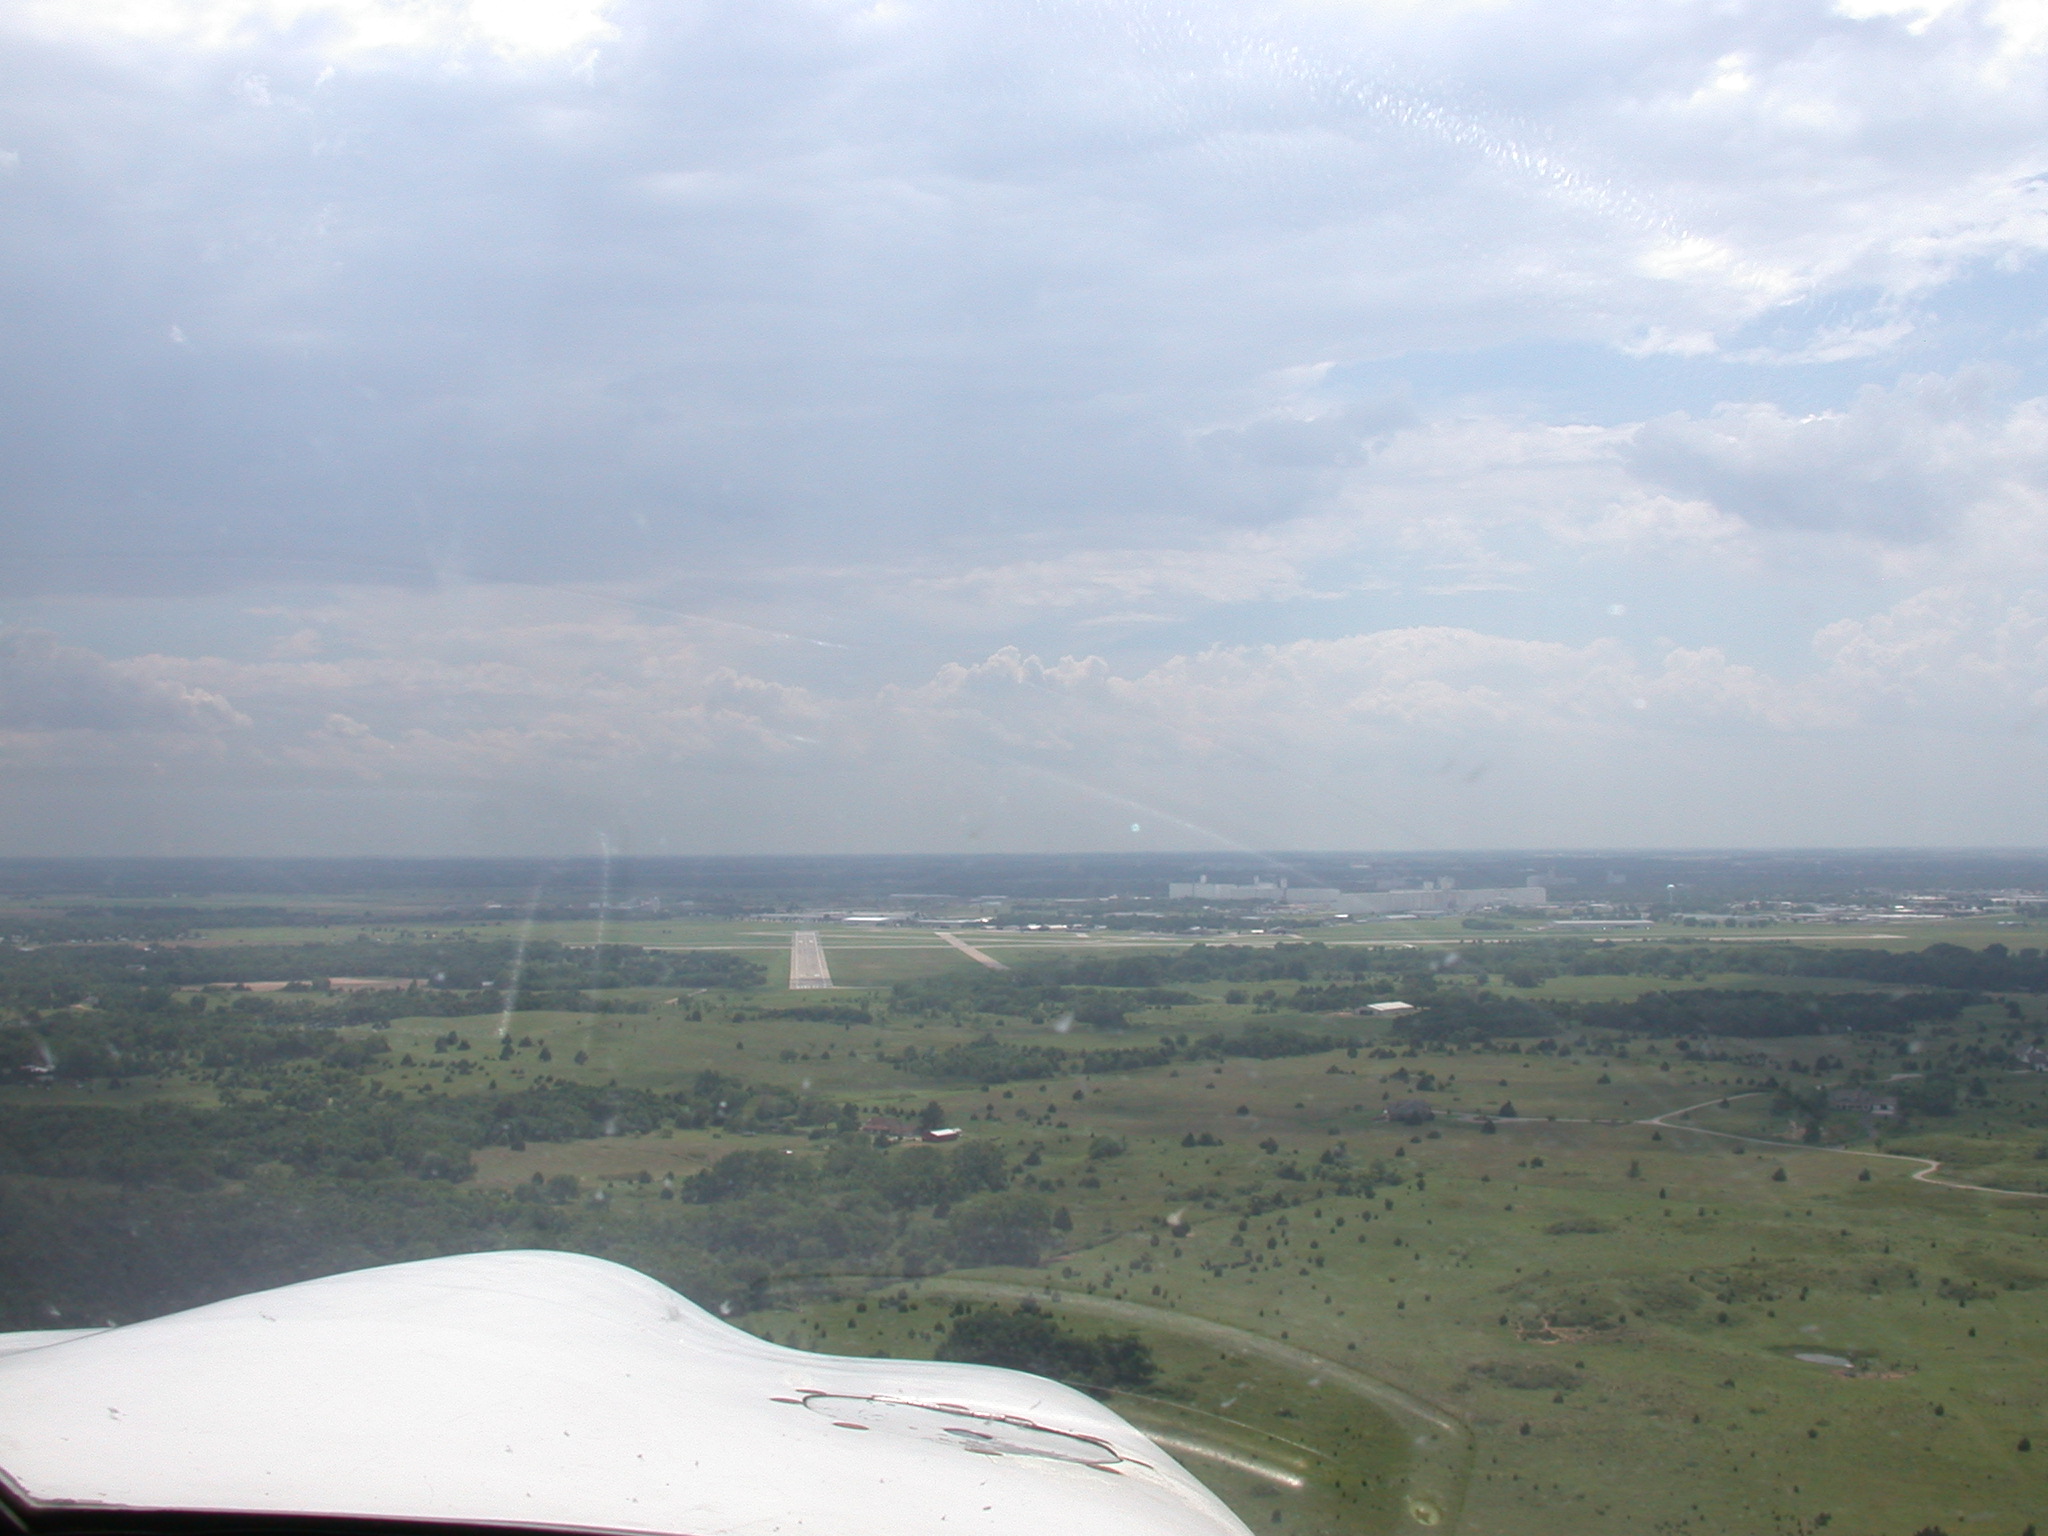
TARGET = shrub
(1029,1339)
(1012,1227)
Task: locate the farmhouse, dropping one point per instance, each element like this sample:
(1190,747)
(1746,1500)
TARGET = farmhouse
(892,1128)
(1862,1101)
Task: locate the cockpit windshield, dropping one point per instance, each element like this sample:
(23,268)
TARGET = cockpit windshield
(814,767)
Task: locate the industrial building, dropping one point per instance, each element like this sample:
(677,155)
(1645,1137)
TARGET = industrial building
(1205,889)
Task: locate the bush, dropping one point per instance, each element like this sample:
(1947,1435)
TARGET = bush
(1527,1376)
(1012,1227)
(1029,1339)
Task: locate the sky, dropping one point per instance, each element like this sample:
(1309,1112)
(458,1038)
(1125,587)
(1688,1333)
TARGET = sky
(512,427)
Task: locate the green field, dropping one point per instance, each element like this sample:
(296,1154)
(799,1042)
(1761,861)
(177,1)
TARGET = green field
(1563,1319)
(1616,1329)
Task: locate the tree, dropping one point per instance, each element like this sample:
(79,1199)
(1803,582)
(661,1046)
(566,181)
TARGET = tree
(1030,1339)
(1012,1227)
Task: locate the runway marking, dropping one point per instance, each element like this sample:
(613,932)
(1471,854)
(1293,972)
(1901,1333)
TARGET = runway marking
(807,968)
(971,952)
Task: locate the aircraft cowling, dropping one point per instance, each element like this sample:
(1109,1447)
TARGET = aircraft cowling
(552,1389)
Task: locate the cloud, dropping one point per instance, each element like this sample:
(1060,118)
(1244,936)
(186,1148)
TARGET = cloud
(869,282)
(343,29)
(1264,567)
(1416,735)
(1979,657)
(1310,436)
(565,694)
(1900,464)
(1395,345)
(548,698)
(1362,696)
(47,686)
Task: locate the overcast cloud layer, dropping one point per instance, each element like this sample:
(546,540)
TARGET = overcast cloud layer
(504,426)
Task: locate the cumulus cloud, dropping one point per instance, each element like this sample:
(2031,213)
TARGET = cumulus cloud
(417,690)
(1979,657)
(47,686)
(1265,567)
(1899,464)
(1407,734)
(855,276)
(1363,696)
(342,29)
(1392,345)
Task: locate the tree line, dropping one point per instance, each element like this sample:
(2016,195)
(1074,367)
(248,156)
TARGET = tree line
(111,1213)
(39,979)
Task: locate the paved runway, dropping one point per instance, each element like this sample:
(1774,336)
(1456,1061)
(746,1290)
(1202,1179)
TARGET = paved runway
(971,952)
(807,968)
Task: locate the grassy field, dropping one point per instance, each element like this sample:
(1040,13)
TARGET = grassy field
(1612,1313)
(1620,1327)
(1558,1318)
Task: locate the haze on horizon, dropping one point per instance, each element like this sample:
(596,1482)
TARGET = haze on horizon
(495,427)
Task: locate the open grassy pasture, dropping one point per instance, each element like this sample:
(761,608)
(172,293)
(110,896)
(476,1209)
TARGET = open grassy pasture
(1613,1313)
(1292,1440)
(618,1161)
(683,932)
(874,962)
(1607,989)
(1550,1316)
(1617,1313)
